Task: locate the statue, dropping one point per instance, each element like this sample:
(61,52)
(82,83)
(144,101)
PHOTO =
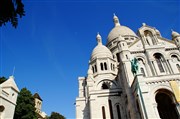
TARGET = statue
(134,66)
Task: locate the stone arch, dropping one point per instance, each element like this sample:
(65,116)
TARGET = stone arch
(143,29)
(166,104)
(149,37)
(174,53)
(118,110)
(103,111)
(143,65)
(109,84)
(156,88)
(160,62)
(159,52)
(175,62)
(141,57)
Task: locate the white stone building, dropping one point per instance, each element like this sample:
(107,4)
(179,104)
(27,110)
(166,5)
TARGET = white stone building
(111,91)
(8,96)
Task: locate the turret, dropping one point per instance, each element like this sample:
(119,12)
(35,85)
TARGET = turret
(123,49)
(176,38)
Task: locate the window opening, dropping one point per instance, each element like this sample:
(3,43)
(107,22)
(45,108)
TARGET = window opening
(95,68)
(166,107)
(118,111)
(110,109)
(142,71)
(178,67)
(159,63)
(102,68)
(105,66)
(103,112)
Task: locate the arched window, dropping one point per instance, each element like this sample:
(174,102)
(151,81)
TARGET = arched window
(175,61)
(102,68)
(165,106)
(126,57)
(113,67)
(103,112)
(95,68)
(105,66)
(178,67)
(142,71)
(110,109)
(118,111)
(105,86)
(149,37)
(159,60)
(118,57)
(142,67)
(174,58)
(2,108)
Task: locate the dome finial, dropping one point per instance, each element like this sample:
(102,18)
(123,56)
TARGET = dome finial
(98,38)
(116,20)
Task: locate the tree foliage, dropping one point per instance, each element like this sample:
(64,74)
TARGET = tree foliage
(10,10)
(2,79)
(56,115)
(25,108)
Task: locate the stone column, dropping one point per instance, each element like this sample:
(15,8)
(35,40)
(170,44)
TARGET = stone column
(156,111)
(169,62)
(154,72)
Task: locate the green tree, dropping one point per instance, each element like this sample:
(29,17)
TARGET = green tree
(25,108)
(10,10)
(2,79)
(56,115)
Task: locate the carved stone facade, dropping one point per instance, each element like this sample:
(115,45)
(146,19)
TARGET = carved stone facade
(111,91)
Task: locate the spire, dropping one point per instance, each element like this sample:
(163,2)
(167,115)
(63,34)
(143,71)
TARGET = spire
(116,20)
(99,39)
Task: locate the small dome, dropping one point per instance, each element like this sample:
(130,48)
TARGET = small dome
(175,34)
(100,50)
(119,30)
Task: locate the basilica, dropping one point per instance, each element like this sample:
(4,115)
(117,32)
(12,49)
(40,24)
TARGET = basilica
(133,76)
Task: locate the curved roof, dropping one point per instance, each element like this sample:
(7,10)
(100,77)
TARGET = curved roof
(119,30)
(100,50)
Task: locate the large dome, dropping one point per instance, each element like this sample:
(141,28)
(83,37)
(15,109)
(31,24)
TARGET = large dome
(100,51)
(119,30)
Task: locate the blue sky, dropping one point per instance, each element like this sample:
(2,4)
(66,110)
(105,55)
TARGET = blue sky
(52,44)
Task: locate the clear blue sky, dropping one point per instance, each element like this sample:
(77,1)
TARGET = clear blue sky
(52,44)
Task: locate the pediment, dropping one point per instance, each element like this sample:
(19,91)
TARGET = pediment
(167,43)
(136,45)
